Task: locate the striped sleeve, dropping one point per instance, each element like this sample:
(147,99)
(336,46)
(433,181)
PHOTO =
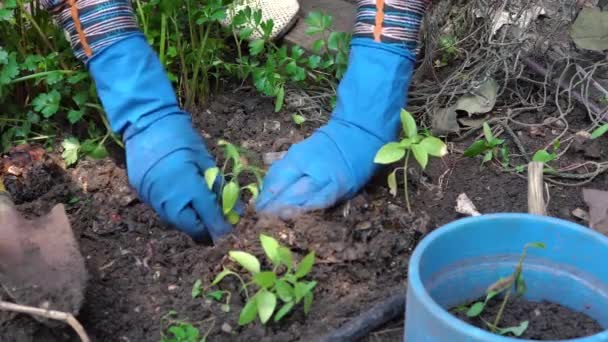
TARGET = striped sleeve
(390,21)
(93,24)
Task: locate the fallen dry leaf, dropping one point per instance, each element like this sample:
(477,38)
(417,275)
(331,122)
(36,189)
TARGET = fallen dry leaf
(597,200)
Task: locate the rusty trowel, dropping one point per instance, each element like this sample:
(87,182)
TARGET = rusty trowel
(40,263)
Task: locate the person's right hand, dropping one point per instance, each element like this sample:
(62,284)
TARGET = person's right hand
(166,157)
(166,163)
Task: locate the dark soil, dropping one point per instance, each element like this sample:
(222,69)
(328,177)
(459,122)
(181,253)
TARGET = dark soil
(547,321)
(140,270)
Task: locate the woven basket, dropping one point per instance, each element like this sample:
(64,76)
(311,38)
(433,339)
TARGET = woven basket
(282,12)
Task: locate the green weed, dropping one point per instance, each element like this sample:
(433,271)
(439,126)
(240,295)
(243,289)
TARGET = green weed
(491,147)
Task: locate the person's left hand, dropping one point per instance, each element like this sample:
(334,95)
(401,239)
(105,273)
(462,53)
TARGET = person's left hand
(338,159)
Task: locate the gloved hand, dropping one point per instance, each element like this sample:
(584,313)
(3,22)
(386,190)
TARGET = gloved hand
(337,160)
(166,158)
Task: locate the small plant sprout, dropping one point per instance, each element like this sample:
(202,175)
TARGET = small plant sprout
(180,331)
(505,287)
(421,145)
(231,189)
(283,283)
(545,157)
(490,147)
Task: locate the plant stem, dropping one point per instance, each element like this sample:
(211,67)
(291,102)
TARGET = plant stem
(41,74)
(163,38)
(502,309)
(407,196)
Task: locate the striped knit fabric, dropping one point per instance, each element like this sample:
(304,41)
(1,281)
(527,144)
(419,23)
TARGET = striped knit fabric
(394,22)
(102,23)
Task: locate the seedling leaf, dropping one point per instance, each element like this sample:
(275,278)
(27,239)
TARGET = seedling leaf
(216,295)
(233,217)
(283,311)
(230,194)
(434,146)
(308,302)
(284,290)
(543,156)
(421,155)
(517,331)
(389,153)
(253,189)
(409,124)
(266,302)
(221,276)
(475,149)
(298,119)
(487,132)
(301,289)
(210,176)
(487,157)
(265,279)
(248,261)
(540,245)
(271,248)
(476,309)
(196,288)
(286,257)
(598,132)
(305,265)
(249,312)
(392,183)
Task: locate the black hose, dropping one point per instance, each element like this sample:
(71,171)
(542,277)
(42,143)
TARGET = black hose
(374,318)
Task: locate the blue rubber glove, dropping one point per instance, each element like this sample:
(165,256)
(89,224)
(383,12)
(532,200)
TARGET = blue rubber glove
(166,158)
(337,160)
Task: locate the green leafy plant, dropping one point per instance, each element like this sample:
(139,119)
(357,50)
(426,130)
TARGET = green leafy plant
(490,147)
(505,286)
(43,87)
(283,283)
(420,144)
(229,180)
(272,67)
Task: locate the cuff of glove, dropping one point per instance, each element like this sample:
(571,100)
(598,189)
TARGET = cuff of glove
(92,26)
(395,22)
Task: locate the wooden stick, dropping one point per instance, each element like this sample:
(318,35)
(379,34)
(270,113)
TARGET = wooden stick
(536,201)
(50,314)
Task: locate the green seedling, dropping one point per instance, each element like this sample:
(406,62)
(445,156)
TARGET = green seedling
(505,287)
(180,331)
(298,119)
(283,283)
(490,147)
(420,144)
(229,180)
(218,295)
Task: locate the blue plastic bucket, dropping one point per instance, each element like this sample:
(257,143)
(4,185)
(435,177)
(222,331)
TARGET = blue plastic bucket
(456,263)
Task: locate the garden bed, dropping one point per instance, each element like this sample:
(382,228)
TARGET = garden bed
(140,271)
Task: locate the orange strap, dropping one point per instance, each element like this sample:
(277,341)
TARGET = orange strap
(379,20)
(81,36)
